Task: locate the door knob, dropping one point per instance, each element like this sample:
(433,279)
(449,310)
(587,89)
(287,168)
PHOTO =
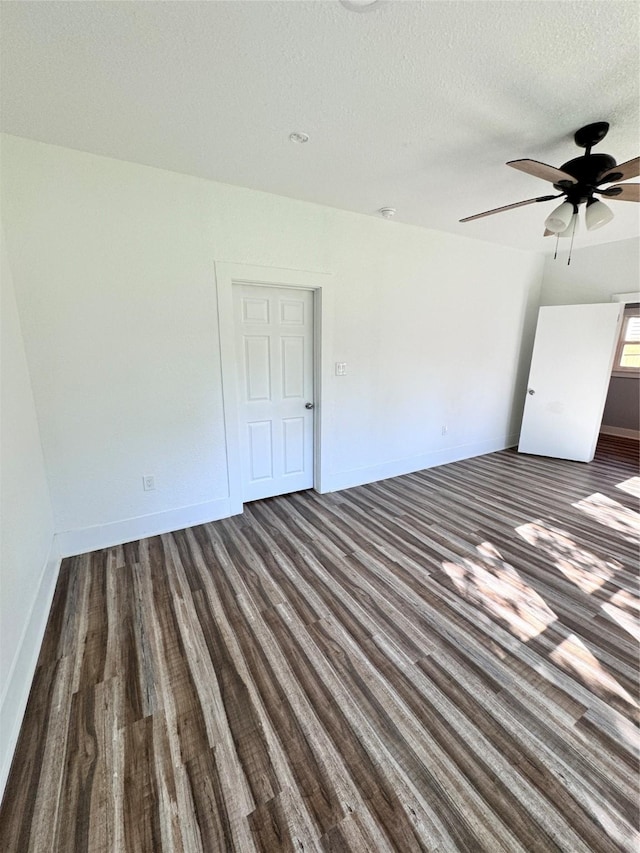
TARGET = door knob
(531,391)
(308,405)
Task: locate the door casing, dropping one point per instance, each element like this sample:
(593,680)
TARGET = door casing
(228,274)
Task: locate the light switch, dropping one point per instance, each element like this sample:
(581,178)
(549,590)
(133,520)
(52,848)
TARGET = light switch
(341,368)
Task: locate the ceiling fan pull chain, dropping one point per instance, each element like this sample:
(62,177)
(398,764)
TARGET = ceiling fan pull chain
(557,241)
(573,232)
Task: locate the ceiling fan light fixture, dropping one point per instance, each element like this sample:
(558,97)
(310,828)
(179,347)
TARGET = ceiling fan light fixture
(571,228)
(559,219)
(359,5)
(597,214)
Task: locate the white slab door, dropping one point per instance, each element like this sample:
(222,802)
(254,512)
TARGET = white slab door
(570,372)
(274,349)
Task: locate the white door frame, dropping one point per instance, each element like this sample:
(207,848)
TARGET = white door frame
(228,274)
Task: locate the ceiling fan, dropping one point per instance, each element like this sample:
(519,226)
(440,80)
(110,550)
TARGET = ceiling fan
(579,180)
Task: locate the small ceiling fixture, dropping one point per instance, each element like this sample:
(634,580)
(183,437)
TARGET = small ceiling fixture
(579,180)
(387,212)
(359,5)
(299,137)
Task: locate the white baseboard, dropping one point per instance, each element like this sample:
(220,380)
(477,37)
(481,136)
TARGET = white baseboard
(18,685)
(72,542)
(397,467)
(620,431)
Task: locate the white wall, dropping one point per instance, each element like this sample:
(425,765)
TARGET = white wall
(114,271)
(28,569)
(595,273)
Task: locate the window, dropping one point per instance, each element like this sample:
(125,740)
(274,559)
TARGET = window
(627,360)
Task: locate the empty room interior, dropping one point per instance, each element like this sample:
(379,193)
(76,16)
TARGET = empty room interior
(319,426)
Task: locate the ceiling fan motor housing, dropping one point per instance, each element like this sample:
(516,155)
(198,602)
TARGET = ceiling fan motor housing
(586,170)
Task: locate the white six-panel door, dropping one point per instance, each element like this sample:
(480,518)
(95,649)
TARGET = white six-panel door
(274,352)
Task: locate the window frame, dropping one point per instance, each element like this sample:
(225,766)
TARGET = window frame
(632,310)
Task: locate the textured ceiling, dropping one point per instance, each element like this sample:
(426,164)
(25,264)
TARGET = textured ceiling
(415,105)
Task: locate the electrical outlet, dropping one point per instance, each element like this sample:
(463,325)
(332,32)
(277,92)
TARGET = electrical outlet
(148,483)
(445,430)
(341,368)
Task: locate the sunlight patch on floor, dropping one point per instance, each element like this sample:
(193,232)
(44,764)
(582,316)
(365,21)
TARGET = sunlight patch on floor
(625,836)
(630,486)
(581,567)
(489,551)
(624,608)
(501,592)
(574,657)
(612,514)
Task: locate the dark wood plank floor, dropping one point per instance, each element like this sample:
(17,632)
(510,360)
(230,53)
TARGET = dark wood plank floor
(441,661)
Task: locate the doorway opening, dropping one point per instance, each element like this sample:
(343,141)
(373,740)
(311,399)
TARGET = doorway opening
(621,415)
(272,329)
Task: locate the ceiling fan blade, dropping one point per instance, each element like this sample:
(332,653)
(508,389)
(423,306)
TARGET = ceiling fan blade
(622,192)
(510,207)
(541,170)
(630,169)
